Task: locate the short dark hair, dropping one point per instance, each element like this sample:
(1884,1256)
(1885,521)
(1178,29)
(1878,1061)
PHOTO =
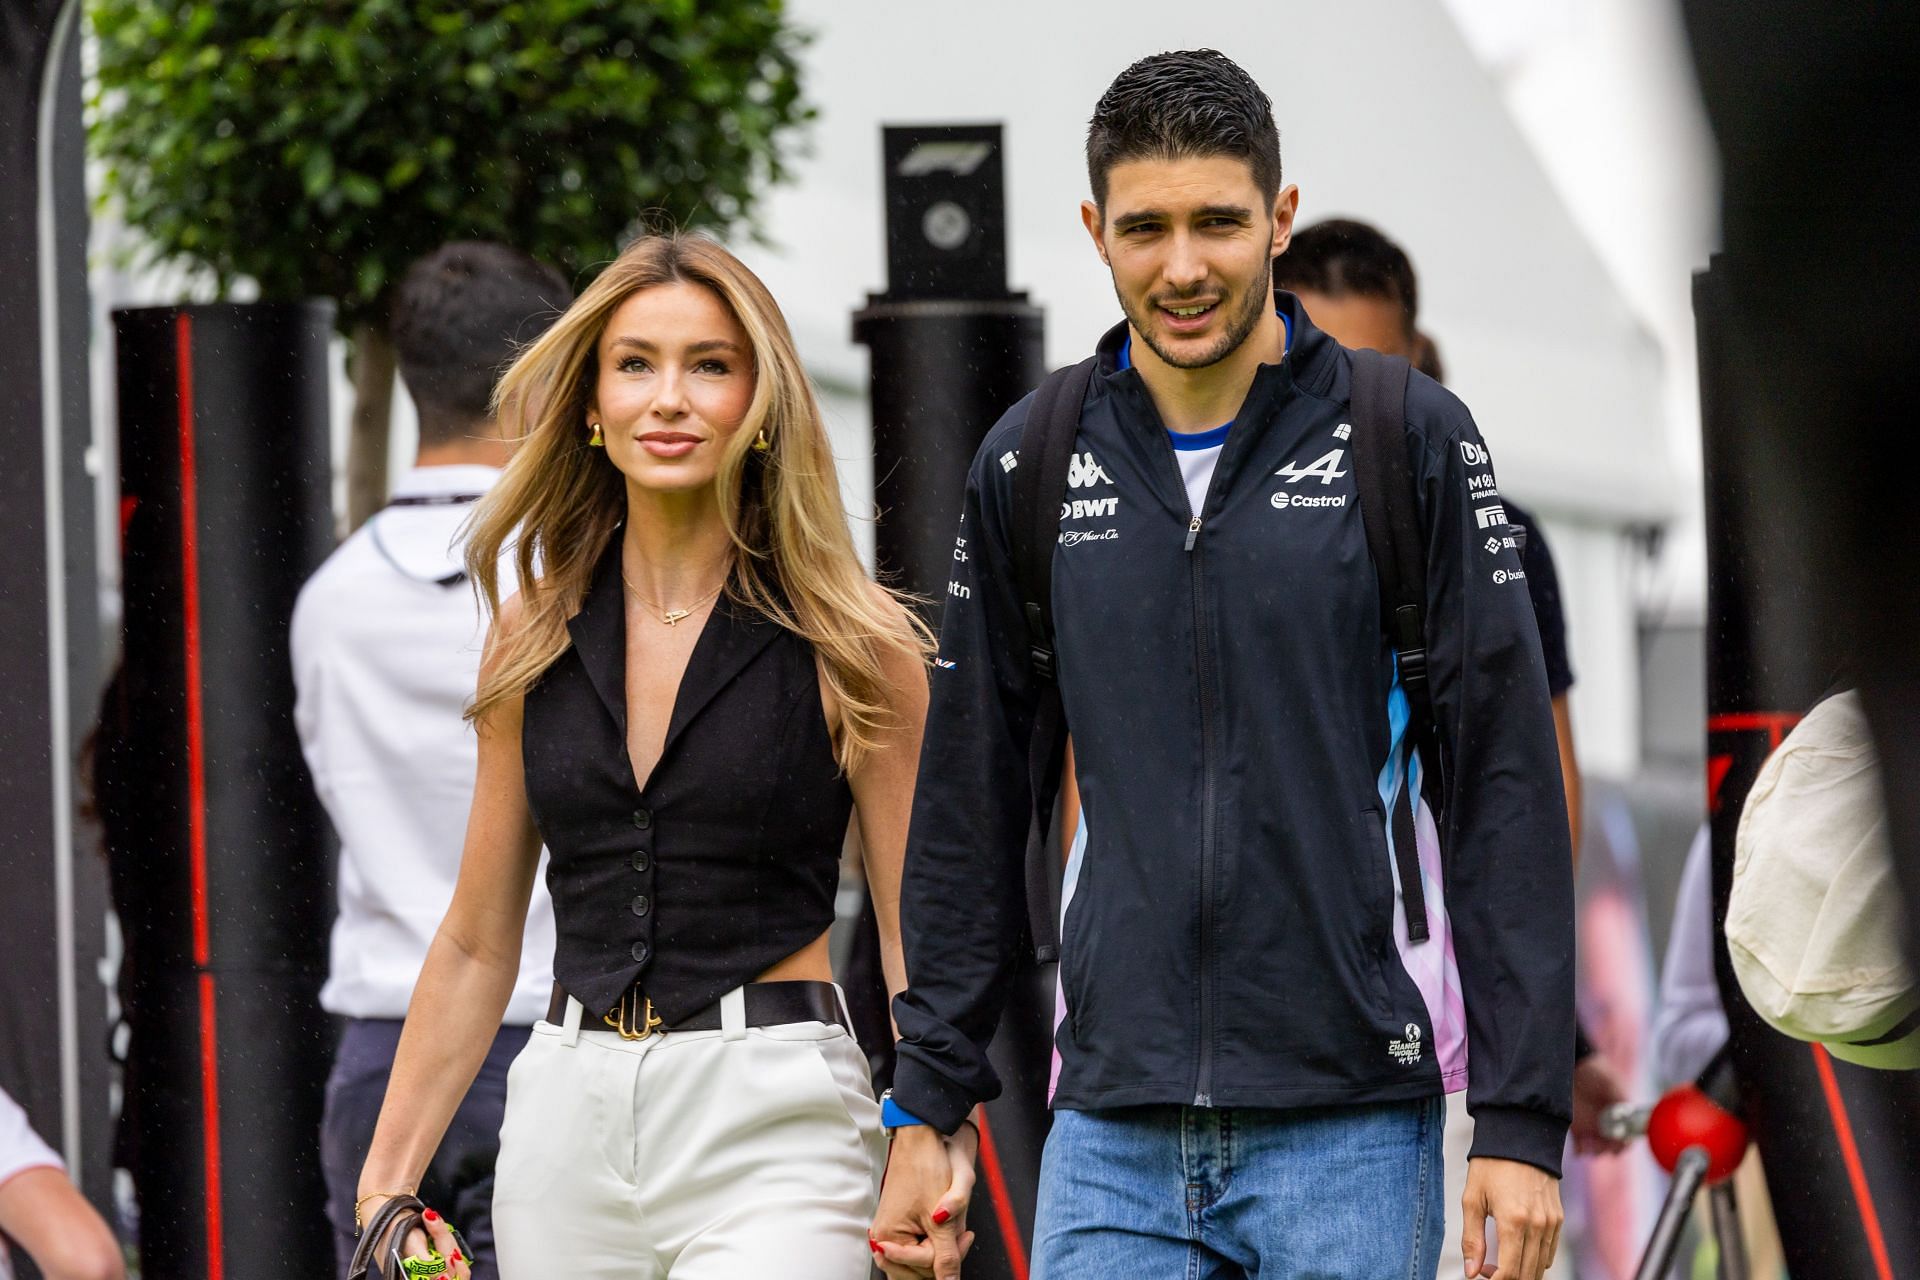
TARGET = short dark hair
(1194,102)
(460,316)
(1341,257)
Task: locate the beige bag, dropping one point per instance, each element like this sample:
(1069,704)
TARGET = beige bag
(1815,921)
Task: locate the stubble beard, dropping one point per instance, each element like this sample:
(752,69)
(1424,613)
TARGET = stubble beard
(1240,325)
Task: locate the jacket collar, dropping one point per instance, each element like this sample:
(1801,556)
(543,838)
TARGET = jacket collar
(730,638)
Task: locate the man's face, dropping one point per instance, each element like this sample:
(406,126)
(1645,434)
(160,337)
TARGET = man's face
(1191,243)
(1357,321)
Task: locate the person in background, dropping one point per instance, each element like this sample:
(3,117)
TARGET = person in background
(42,1212)
(386,650)
(1360,287)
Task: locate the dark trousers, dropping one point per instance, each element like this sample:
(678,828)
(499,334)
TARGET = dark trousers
(459,1181)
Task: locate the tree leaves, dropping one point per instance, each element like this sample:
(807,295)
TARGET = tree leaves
(319,148)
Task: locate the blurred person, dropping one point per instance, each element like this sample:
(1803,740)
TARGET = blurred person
(386,648)
(1256,1043)
(692,691)
(42,1212)
(1690,1021)
(1360,287)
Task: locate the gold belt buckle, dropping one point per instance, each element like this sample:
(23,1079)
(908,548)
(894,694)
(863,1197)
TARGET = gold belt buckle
(633,1017)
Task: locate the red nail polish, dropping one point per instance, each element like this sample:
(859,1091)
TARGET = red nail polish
(456,1255)
(431,1216)
(940,1217)
(875,1245)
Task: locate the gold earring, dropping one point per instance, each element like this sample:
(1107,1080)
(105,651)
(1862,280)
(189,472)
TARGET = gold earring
(596,440)
(760,442)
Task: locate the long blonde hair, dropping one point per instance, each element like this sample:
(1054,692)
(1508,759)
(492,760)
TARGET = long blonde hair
(559,501)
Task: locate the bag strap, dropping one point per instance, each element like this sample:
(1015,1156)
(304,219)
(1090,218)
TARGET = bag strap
(1046,452)
(396,1218)
(1389,506)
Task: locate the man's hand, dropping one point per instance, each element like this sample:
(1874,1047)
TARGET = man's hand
(1596,1086)
(920,1228)
(1524,1203)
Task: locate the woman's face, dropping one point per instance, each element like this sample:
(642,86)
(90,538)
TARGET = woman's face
(676,377)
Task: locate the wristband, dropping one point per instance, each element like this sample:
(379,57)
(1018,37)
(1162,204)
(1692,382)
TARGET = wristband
(893,1115)
(424,1268)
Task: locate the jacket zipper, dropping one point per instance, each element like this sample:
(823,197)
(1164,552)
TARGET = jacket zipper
(1203,665)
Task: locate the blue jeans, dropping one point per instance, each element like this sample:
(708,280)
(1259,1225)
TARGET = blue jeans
(1219,1193)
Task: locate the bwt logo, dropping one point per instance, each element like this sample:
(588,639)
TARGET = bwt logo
(1080,508)
(1490,516)
(944,157)
(1474,453)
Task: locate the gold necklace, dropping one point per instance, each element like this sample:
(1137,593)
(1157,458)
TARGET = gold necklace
(672,617)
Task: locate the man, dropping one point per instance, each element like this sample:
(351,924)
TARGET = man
(1254,1051)
(386,651)
(44,1213)
(1360,289)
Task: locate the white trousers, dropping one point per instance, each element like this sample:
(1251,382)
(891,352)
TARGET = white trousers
(700,1155)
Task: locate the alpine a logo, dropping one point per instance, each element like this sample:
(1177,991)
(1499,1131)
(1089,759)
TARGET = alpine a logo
(1325,468)
(1083,471)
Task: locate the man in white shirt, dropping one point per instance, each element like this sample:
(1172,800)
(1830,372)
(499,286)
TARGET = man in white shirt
(44,1213)
(386,650)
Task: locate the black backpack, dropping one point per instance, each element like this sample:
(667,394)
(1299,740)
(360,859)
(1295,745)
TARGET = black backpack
(1390,509)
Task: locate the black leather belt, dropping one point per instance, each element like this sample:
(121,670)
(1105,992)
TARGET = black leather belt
(768,1004)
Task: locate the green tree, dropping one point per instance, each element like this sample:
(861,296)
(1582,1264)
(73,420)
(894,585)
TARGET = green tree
(318,148)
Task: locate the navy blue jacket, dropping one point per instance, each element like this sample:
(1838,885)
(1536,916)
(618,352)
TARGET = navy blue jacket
(1233,934)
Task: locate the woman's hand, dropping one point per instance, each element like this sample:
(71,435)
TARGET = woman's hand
(437,1237)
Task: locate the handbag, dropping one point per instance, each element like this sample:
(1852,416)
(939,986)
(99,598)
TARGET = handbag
(398,1218)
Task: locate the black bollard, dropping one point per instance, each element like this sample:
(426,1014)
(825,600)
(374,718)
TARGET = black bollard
(221,856)
(1836,1139)
(953,349)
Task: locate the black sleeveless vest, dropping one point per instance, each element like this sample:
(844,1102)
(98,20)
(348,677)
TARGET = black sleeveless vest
(728,861)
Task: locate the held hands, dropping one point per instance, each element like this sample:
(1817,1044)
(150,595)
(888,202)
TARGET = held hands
(1524,1203)
(920,1228)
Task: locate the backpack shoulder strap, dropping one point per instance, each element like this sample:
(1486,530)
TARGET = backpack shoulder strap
(1389,507)
(1046,450)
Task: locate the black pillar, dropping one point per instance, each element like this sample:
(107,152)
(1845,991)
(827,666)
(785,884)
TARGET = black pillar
(222,856)
(1838,1140)
(952,350)
(53,1012)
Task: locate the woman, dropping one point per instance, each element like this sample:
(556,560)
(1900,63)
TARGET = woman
(693,686)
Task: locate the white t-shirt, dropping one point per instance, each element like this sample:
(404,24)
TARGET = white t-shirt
(1198,453)
(385,660)
(21,1149)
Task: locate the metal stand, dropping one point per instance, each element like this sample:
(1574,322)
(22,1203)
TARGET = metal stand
(1725,1207)
(1688,1174)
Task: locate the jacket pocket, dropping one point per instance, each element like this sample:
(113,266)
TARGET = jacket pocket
(1377,887)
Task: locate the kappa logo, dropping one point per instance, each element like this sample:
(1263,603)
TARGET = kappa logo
(1474,454)
(1083,471)
(1325,468)
(1009,460)
(1491,517)
(1343,431)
